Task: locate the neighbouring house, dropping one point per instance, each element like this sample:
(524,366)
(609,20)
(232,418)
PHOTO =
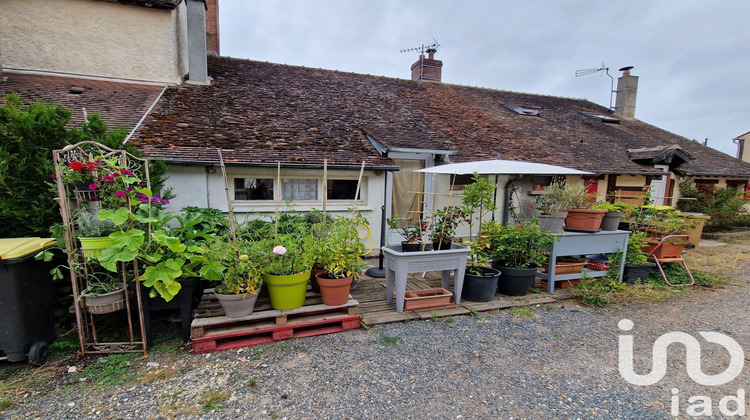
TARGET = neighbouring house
(743,151)
(116,64)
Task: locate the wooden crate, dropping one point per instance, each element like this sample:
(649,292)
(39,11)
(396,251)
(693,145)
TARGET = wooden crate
(211,333)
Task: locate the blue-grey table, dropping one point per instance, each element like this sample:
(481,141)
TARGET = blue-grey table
(583,243)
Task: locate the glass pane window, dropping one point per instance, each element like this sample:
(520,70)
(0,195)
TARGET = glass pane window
(299,189)
(342,189)
(253,189)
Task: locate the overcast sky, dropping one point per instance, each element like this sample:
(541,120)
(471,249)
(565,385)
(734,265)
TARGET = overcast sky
(692,56)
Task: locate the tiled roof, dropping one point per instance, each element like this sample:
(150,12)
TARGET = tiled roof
(118,103)
(159,4)
(267,112)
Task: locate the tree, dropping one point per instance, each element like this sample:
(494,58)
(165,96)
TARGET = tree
(28,135)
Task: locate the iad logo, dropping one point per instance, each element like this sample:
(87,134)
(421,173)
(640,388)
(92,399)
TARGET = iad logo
(692,355)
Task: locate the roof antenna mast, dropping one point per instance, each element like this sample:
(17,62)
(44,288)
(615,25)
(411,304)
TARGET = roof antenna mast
(425,48)
(605,70)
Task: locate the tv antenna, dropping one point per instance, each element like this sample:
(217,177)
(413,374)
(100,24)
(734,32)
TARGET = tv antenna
(602,70)
(425,48)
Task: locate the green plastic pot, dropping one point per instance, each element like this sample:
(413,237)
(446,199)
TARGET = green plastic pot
(92,247)
(287,292)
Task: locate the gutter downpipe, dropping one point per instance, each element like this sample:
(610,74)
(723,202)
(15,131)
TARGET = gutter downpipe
(508,191)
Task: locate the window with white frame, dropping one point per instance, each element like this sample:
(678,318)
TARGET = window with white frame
(253,189)
(299,189)
(342,189)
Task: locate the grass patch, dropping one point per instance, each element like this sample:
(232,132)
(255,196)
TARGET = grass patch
(116,370)
(388,340)
(522,313)
(212,400)
(6,403)
(448,319)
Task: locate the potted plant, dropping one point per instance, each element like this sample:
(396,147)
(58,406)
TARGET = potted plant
(410,230)
(517,250)
(581,217)
(93,233)
(666,230)
(288,251)
(443,228)
(480,280)
(238,266)
(551,207)
(343,261)
(103,293)
(615,213)
(637,266)
(80,174)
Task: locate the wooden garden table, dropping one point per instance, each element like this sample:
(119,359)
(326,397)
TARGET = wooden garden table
(398,264)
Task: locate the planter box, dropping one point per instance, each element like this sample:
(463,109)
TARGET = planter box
(567,267)
(425,299)
(666,250)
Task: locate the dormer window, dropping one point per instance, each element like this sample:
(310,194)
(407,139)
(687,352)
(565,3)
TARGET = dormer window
(529,111)
(601,117)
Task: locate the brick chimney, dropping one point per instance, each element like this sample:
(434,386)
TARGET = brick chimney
(212,27)
(196,26)
(627,89)
(427,69)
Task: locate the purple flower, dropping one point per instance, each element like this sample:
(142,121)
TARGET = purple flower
(121,194)
(93,186)
(165,202)
(126,172)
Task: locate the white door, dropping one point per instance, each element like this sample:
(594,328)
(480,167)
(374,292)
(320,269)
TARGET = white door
(659,185)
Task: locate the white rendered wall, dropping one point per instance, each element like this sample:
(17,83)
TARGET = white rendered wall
(94,38)
(194,186)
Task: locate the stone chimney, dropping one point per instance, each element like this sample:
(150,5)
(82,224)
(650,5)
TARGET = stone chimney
(212,27)
(627,89)
(427,69)
(196,28)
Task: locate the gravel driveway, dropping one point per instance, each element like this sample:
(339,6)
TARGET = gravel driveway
(562,362)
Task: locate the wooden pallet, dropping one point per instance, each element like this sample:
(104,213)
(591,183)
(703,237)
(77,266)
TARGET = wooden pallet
(212,332)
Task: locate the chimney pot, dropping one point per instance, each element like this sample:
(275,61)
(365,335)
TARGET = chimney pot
(427,69)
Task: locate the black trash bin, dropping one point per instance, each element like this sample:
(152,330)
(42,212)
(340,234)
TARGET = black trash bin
(26,315)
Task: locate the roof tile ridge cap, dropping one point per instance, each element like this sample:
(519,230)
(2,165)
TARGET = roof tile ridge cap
(509,91)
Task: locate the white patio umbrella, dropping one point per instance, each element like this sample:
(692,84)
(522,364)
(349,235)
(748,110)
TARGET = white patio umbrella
(502,167)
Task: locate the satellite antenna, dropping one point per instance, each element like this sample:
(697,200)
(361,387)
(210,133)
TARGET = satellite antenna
(604,70)
(425,48)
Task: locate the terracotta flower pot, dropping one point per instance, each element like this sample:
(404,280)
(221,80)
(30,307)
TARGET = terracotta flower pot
(334,292)
(314,286)
(584,219)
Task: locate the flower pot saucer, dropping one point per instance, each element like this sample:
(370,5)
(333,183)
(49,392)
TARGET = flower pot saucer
(582,230)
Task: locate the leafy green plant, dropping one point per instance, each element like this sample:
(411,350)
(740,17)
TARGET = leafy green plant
(478,199)
(238,265)
(410,229)
(523,245)
(635,254)
(617,207)
(341,250)
(444,224)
